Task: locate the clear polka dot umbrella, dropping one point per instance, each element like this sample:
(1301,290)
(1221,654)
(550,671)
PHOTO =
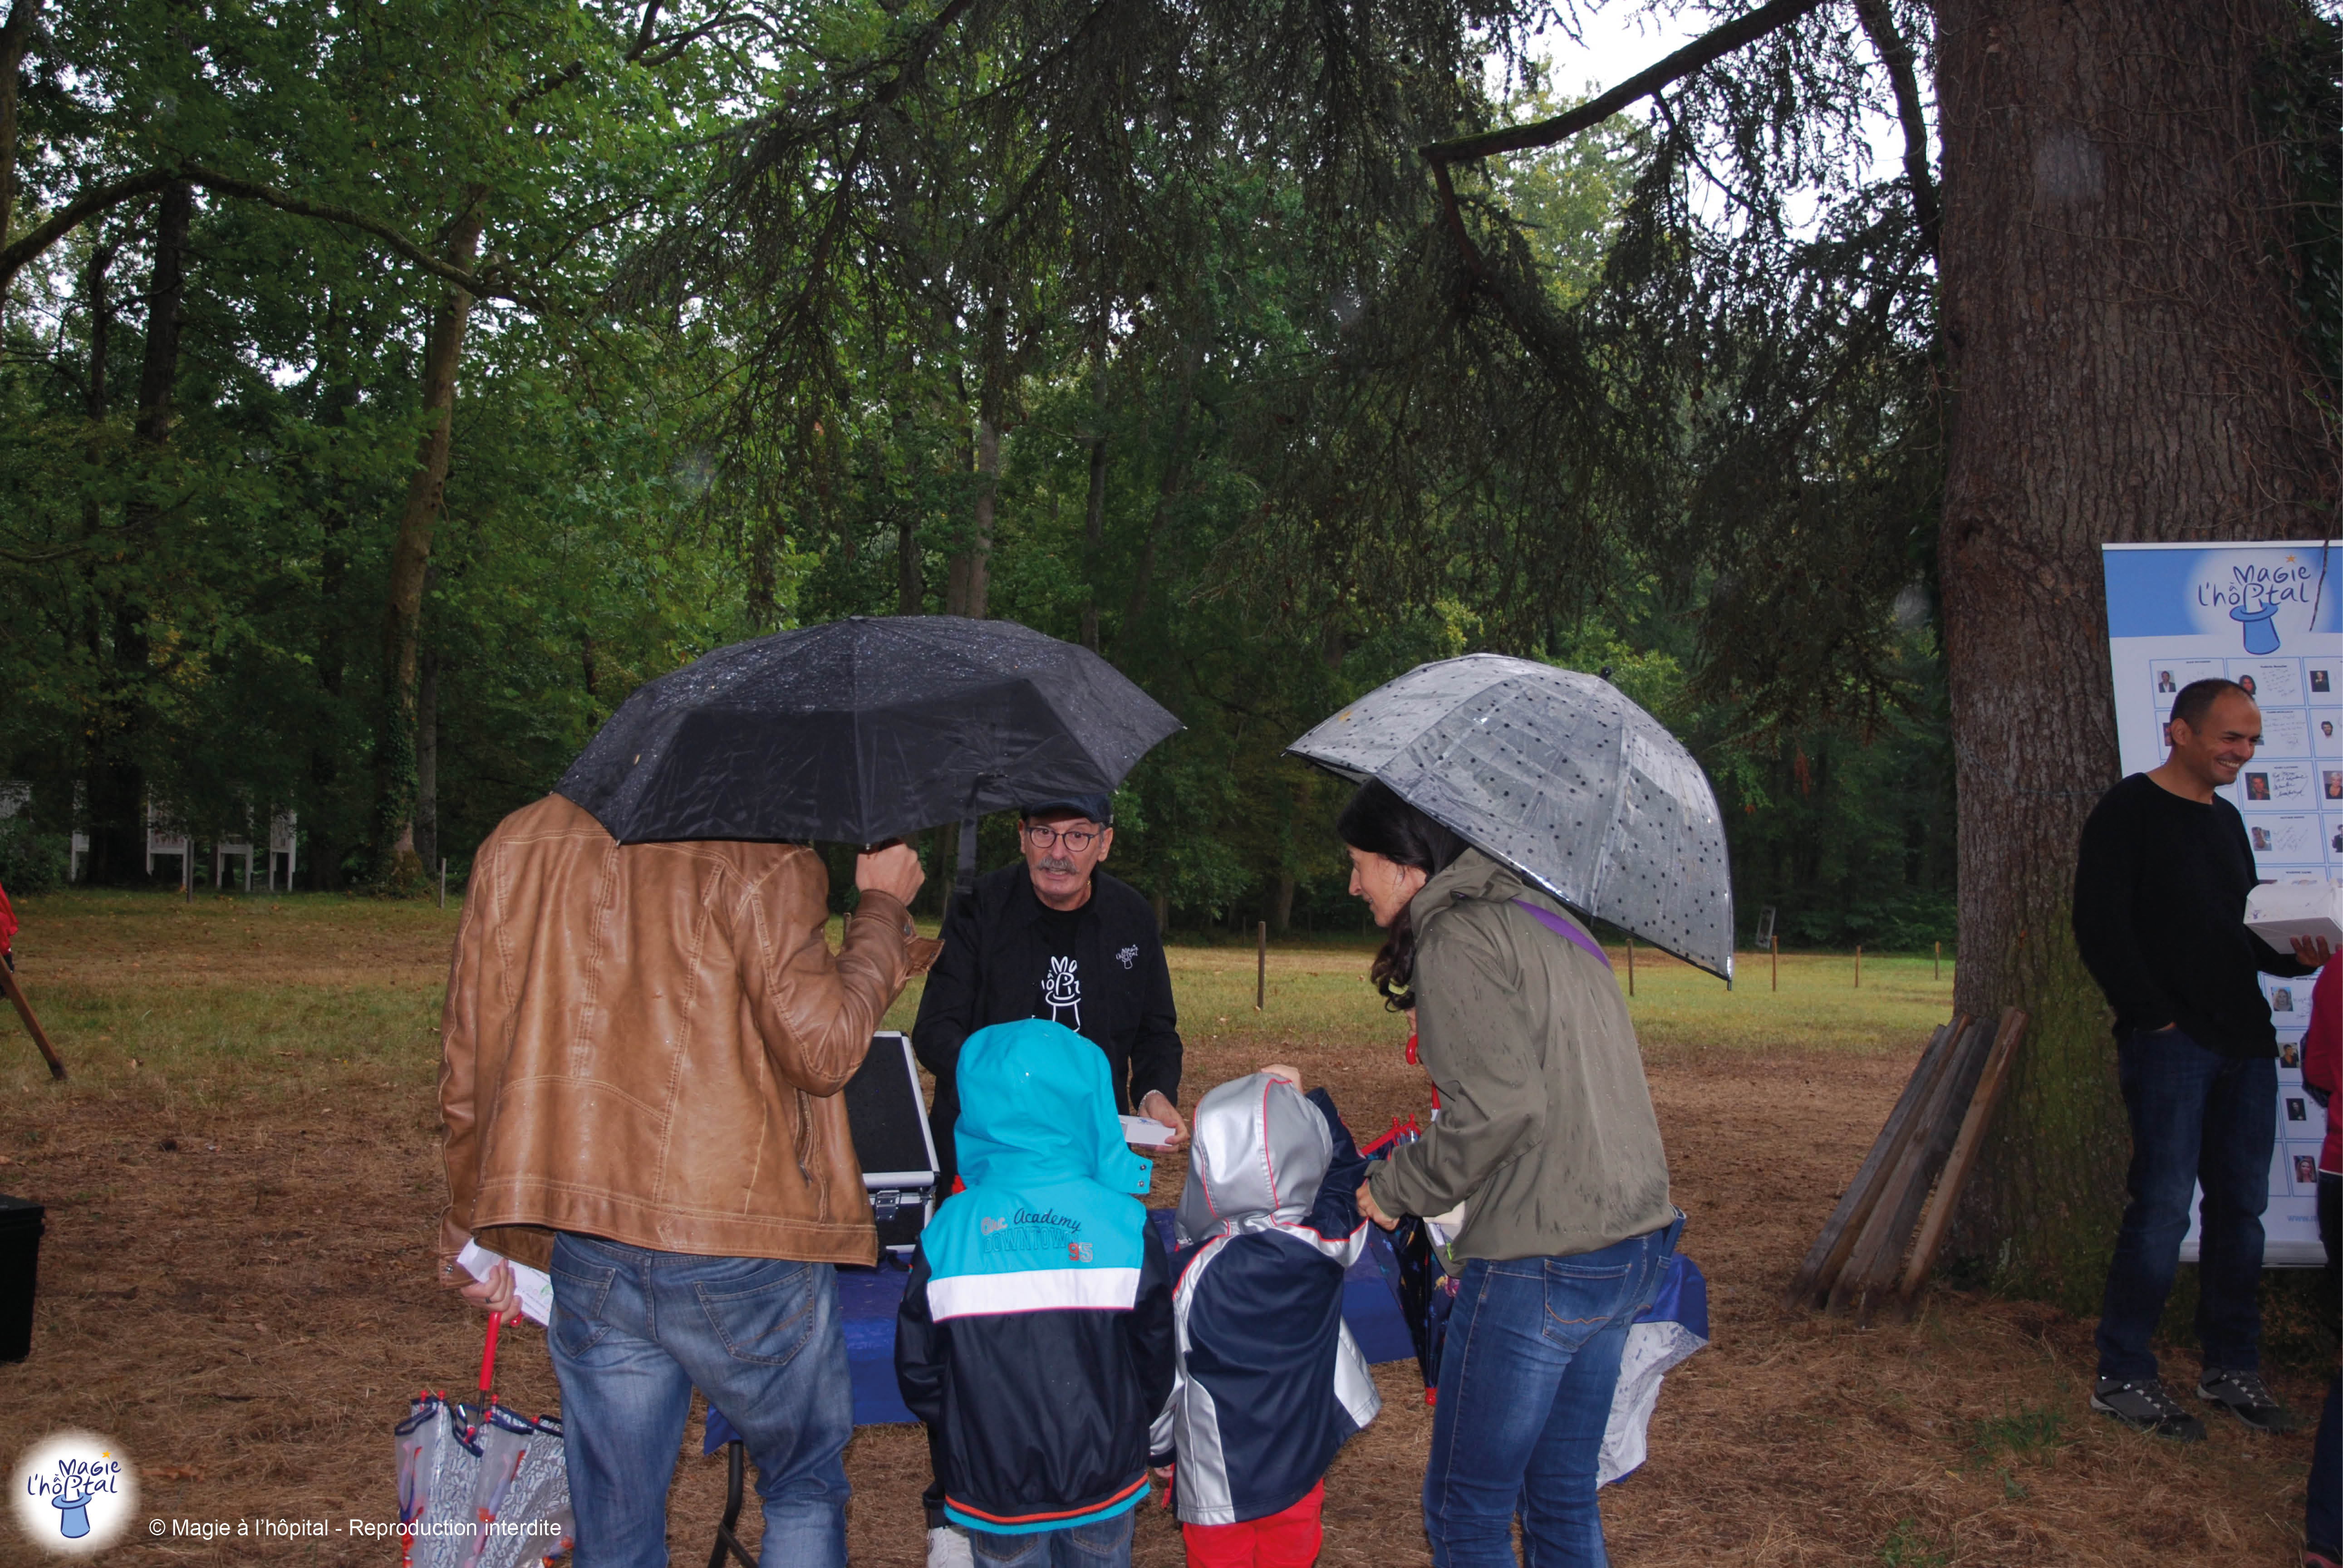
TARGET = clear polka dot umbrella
(1558,775)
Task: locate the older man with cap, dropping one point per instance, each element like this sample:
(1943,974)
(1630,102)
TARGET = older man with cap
(1053,937)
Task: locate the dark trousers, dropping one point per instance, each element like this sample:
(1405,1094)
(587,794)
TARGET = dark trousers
(932,1499)
(2197,1117)
(2322,1523)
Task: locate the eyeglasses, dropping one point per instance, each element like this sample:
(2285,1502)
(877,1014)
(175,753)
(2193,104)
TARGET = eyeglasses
(1076,840)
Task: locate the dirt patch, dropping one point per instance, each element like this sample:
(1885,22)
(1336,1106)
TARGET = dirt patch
(240,1294)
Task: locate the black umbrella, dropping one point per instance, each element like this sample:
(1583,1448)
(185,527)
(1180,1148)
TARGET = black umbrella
(864,730)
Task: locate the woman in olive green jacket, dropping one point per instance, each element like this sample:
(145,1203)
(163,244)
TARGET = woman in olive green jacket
(1545,1136)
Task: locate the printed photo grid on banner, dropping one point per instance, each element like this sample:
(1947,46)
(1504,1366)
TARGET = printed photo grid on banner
(2266,616)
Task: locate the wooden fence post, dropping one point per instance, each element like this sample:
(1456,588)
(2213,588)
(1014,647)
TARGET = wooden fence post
(1261,971)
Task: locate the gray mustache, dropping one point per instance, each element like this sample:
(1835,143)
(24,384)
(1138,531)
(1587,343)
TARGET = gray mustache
(1055,863)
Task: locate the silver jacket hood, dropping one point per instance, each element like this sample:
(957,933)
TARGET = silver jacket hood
(1257,1152)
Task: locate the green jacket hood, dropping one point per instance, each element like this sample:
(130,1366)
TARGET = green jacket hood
(1472,875)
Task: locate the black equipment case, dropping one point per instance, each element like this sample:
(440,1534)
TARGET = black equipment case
(890,1122)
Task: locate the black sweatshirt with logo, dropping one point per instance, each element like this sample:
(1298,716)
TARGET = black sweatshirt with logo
(1099,969)
(2160,892)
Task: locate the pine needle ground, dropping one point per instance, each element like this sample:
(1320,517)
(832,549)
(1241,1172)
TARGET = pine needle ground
(243,1185)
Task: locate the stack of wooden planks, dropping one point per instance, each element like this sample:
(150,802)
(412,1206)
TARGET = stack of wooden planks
(1911,1177)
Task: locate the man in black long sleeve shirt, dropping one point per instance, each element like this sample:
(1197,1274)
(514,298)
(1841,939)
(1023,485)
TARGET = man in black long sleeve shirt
(2160,888)
(1052,937)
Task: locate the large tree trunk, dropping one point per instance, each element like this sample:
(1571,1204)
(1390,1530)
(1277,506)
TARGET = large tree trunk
(911,583)
(2125,365)
(397,865)
(971,568)
(15,35)
(426,760)
(118,784)
(97,292)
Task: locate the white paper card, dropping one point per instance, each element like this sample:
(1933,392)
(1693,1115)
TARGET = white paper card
(1145,1132)
(532,1288)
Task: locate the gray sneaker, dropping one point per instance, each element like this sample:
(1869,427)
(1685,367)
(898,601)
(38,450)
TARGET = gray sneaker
(2244,1396)
(2147,1406)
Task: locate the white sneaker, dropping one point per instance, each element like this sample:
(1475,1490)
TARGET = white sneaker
(948,1548)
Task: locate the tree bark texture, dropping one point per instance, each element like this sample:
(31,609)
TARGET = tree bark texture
(427,759)
(2124,364)
(120,787)
(911,582)
(395,862)
(971,568)
(15,35)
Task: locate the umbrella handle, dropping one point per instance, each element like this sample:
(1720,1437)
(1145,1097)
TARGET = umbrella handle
(489,1365)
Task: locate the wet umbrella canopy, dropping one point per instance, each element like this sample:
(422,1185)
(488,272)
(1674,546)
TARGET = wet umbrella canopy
(1562,777)
(862,729)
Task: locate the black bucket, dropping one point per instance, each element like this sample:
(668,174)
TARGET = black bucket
(21,1225)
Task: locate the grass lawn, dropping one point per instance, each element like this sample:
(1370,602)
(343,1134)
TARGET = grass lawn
(242,1183)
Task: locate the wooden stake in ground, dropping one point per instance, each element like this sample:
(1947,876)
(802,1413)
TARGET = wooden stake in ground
(1777,963)
(1811,1285)
(1939,1216)
(1878,1255)
(1859,966)
(24,1010)
(1631,966)
(1937,969)
(1261,971)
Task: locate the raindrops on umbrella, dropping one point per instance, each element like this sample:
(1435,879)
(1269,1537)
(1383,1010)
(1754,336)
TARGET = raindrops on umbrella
(1561,777)
(864,730)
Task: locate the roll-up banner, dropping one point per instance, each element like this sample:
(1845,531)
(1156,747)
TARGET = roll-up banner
(2266,617)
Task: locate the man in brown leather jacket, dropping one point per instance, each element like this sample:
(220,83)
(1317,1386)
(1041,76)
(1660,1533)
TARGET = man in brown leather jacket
(644,1046)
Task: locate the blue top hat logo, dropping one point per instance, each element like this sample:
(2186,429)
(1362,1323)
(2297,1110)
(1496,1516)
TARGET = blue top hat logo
(2261,636)
(73,1514)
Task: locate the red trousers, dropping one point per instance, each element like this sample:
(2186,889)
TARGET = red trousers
(1285,1540)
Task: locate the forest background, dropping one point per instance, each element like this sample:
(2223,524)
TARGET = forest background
(431,374)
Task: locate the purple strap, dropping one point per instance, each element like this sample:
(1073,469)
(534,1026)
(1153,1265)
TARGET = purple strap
(1565,931)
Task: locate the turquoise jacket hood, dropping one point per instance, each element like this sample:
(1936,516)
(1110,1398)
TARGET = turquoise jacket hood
(1047,1220)
(1037,1107)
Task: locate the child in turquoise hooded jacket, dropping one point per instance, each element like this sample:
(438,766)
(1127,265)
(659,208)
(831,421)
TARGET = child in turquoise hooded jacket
(1036,1334)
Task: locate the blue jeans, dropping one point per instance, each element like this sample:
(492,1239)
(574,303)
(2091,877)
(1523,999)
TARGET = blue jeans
(1103,1544)
(635,1331)
(1526,1376)
(2197,1117)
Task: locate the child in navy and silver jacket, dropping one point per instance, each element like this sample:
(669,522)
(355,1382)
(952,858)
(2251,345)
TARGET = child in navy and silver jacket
(1271,1384)
(1035,1335)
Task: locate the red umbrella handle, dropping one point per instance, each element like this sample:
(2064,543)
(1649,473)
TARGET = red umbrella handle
(488,1361)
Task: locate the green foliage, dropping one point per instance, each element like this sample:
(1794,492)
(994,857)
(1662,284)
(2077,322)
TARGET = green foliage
(199,561)
(1910,1545)
(31,861)
(2031,1433)
(757,286)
